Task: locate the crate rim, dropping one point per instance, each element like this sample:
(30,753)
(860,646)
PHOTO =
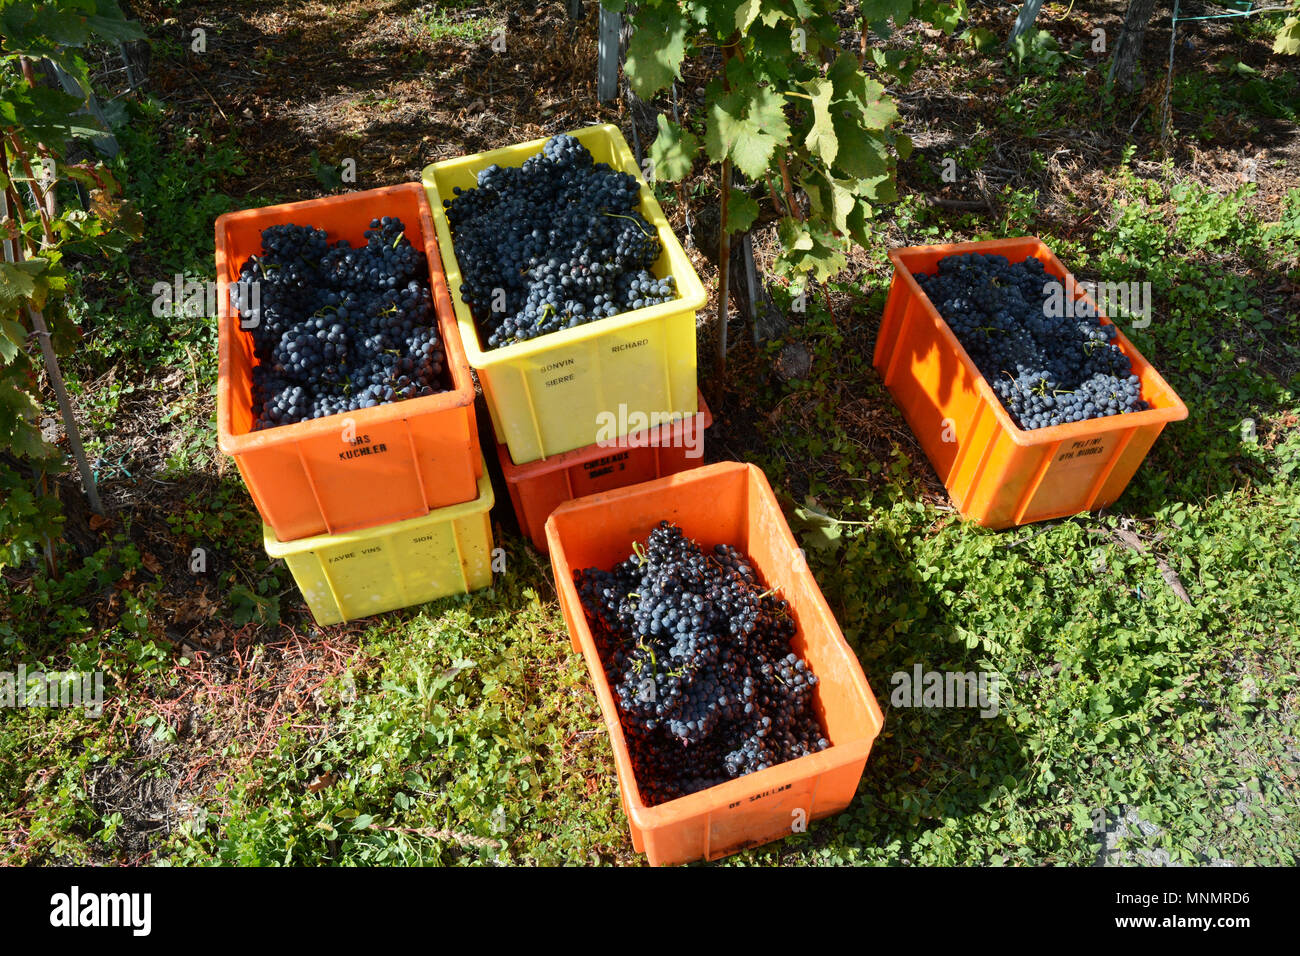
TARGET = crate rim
(703,801)
(1173,411)
(579,456)
(483,501)
(691,296)
(459,396)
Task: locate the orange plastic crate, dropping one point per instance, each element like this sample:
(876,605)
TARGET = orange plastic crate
(730,503)
(997,473)
(363,468)
(539,487)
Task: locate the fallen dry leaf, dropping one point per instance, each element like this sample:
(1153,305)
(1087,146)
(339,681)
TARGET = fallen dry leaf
(321,782)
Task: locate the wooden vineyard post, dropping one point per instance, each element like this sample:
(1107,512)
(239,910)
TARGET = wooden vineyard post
(611,25)
(1025,20)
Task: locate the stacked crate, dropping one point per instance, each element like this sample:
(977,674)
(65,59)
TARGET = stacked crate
(375,509)
(579,395)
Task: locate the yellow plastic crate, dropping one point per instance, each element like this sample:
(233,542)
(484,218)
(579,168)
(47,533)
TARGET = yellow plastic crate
(356,573)
(546,395)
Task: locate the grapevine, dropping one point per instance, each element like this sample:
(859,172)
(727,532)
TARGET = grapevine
(39,128)
(789,109)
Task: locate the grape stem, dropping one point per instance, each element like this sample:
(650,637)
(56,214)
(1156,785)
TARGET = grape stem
(619,215)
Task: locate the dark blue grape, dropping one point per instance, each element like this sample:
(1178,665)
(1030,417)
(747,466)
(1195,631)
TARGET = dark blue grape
(553,244)
(1047,368)
(339,328)
(698,655)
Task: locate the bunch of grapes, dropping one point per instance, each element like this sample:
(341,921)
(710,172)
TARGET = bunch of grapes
(698,655)
(1047,366)
(553,244)
(336,329)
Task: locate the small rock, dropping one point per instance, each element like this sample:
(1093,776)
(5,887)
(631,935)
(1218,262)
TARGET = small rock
(794,361)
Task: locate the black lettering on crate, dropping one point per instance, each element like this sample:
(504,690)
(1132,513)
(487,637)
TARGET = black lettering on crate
(363,451)
(607,460)
(1082,449)
(768,793)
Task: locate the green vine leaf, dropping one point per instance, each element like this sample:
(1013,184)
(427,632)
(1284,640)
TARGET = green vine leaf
(856,91)
(673,152)
(821,139)
(774,47)
(898,63)
(809,250)
(45,114)
(742,211)
(903,145)
(876,12)
(748,129)
(18,411)
(858,220)
(1288,37)
(12,338)
(794,234)
(862,153)
(880,113)
(779,114)
(656,50)
(980,38)
(747,13)
(853,88)
(839,198)
(880,189)
(40,123)
(20,281)
(943,16)
(115,29)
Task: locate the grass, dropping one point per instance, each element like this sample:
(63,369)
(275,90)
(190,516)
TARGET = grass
(469,741)
(465,731)
(448,21)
